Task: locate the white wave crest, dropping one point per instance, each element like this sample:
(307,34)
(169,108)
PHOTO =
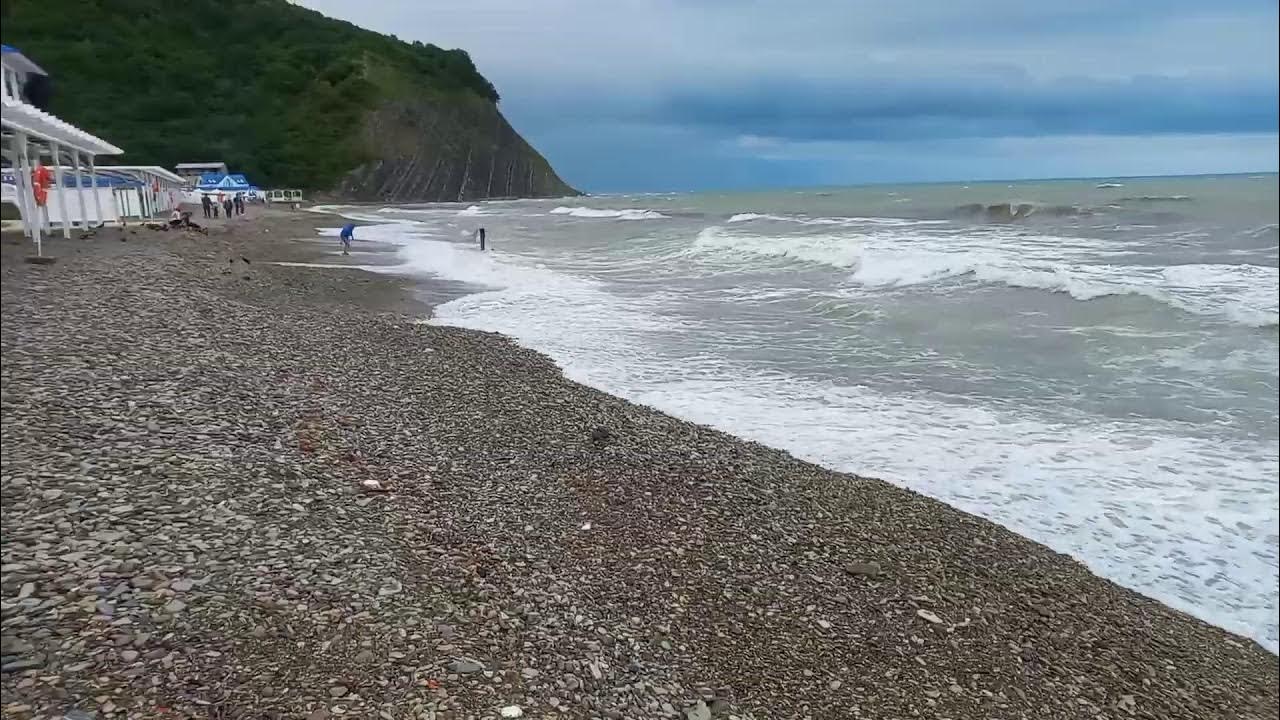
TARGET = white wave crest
(803,220)
(1241,294)
(624,214)
(840,252)
(748,217)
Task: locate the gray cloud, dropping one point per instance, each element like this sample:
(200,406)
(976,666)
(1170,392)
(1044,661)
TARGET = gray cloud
(960,107)
(624,76)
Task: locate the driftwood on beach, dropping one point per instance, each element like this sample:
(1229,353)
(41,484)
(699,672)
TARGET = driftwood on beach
(269,493)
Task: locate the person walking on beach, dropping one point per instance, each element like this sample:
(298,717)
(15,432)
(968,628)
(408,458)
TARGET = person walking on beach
(226,207)
(239,204)
(346,236)
(480,235)
(207,205)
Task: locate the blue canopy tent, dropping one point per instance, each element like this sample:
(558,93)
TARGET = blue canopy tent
(230,183)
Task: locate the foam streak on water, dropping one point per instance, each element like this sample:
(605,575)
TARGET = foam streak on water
(1080,363)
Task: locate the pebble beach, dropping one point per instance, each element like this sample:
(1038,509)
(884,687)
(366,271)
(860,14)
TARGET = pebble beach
(238,489)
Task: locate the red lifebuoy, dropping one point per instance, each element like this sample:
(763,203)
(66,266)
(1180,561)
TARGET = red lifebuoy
(41,179)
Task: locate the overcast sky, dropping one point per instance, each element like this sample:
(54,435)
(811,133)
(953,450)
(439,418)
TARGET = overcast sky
(650,95)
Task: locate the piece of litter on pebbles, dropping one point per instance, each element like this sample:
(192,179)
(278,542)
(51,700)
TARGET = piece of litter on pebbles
(466,667)
(699,711)
(929,616)
(586,526)
(512,711)
(372,485)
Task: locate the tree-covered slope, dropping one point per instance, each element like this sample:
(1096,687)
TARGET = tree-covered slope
(277,91)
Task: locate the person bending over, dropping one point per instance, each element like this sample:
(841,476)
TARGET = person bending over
(346,236)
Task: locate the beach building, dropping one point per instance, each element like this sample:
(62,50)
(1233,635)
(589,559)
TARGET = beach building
(191,172)
(288,196)
(228,184)
(30,137)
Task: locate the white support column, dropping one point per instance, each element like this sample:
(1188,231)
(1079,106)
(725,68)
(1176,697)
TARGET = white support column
(22,183)
(97,201)
(46,222)
(62,191)
(28,195)
(84,211)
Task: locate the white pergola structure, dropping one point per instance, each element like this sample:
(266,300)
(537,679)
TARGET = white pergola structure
(29,134)
(161,188)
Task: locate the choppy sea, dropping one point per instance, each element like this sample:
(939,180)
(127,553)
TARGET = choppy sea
(1092,363)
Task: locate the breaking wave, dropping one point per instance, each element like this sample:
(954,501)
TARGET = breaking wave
(748,217)
(1013,212)
(624,214)
(803,220)
(1241,294)
(1156,198)
(814,249)
(1267,232)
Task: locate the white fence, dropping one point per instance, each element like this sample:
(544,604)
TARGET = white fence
(106,197)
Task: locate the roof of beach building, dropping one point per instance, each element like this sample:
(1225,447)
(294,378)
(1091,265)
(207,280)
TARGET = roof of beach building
(199,165)
(105,179)
(21,117)
(14,58)
(222,179)
(160,172)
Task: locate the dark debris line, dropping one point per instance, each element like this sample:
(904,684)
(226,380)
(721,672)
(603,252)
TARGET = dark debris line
(189,531)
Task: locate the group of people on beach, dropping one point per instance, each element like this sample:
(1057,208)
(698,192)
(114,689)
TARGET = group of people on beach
(228,204)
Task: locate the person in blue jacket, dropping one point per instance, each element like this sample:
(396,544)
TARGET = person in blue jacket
(346,236)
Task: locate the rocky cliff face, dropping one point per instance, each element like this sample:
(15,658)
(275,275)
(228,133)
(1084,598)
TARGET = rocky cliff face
(437,149)
(283,94)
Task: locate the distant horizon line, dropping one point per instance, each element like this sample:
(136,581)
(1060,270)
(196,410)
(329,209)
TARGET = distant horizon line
(879,183)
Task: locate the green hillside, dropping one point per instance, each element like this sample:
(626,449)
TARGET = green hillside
(277,91)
